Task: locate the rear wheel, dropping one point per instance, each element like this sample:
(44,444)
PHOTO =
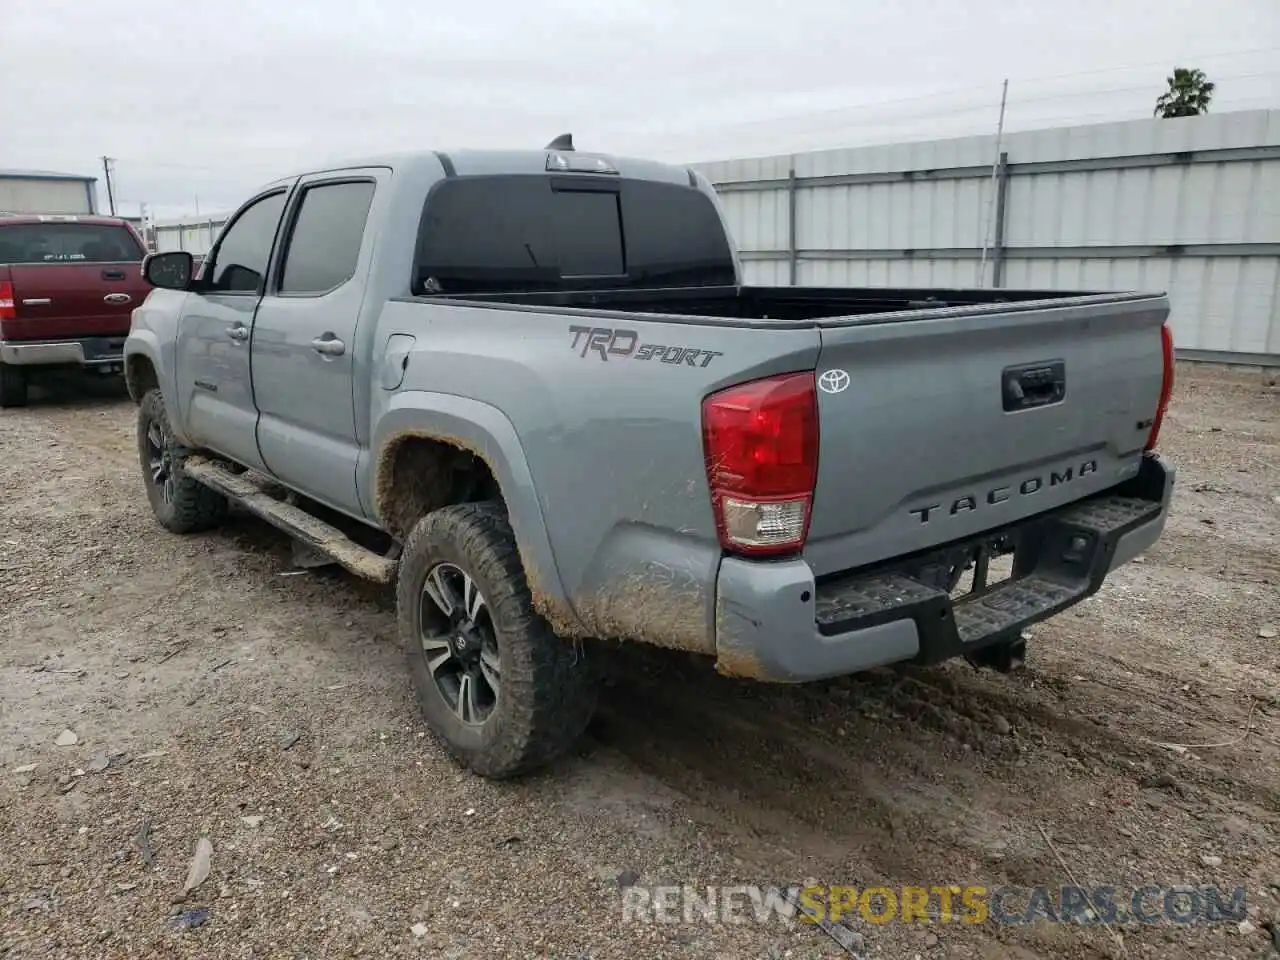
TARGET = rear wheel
(13,386)
(502,692)
(181,504)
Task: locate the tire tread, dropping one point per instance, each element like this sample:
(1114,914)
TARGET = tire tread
(194,506)
(549,690)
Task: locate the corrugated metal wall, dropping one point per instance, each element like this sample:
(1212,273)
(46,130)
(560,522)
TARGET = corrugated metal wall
(194,236)
(1189,206)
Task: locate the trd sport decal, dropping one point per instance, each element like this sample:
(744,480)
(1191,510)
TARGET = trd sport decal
(626,345)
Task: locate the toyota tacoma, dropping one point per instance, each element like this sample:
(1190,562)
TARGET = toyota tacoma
(531,390)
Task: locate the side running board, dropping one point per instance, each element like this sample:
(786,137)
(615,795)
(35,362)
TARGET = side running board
(251,492)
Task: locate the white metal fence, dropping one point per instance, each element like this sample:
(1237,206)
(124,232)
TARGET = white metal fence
(1189,206)
(194,235)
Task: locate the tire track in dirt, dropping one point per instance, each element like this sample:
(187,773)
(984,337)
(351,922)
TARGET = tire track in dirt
(903,776)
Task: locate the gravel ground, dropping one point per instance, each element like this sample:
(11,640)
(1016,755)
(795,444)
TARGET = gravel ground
(216,693)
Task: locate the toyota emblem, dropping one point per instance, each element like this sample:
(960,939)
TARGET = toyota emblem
(833,381)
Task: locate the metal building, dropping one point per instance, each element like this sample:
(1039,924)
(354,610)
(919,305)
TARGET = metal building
(41,191)
(1188,206)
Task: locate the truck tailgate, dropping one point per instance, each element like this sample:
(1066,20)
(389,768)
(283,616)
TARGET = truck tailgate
(73,299)
(950,422)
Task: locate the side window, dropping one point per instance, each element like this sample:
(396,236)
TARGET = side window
(240,261)
(325,243)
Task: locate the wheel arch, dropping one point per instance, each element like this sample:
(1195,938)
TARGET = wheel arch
(465,445)
(140,376)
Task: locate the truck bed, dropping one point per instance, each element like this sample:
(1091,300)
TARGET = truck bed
(782,306)
(956,411)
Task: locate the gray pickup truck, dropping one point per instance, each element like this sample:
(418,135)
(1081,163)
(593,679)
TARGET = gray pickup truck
(531,389)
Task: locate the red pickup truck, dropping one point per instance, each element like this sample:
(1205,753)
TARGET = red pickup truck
(68,286)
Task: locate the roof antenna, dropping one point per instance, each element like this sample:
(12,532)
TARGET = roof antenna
(562,142)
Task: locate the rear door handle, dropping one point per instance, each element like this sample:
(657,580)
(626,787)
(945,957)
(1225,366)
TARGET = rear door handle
(328,346)
(239,333)
(113,274)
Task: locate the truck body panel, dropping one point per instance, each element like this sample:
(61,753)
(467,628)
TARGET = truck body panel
(924,443)
(565,344)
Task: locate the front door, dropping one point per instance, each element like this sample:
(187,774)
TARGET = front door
(304,339)
(215,392)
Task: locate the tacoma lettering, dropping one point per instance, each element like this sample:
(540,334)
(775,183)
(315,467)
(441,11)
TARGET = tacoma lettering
(1025,488)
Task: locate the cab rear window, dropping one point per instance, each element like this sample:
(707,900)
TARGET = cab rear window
(527,233)
(67,243)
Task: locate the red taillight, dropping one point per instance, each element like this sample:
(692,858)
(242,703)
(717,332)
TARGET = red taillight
(761,444)
(1166,387)
(7,309)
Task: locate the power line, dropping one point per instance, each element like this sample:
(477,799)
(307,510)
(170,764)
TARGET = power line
(1150,63)
(994,84)
(948,109)
(831,138)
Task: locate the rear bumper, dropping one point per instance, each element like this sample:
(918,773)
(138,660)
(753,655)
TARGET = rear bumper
(775,622)
(79,351)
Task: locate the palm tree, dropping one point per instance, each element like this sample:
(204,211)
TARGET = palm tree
(1188,95)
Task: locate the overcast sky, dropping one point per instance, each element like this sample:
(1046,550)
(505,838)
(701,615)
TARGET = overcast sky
(201,102)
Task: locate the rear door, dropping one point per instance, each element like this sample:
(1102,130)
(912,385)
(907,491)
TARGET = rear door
(949,423)
(71,278)
(304,338)
(215,393)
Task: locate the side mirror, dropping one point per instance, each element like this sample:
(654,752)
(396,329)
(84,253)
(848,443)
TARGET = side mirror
(169,271)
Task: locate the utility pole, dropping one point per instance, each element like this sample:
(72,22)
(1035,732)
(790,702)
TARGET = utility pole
(147,225)
(995,172)
(111,195)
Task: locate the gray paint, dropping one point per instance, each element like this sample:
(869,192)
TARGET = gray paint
(1137,541)
(601,462)
(764,620)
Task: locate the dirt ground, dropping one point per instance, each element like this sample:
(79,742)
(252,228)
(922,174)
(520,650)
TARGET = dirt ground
(215,692)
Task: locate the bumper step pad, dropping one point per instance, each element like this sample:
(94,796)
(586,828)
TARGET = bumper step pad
(1061,557)
(1011,605)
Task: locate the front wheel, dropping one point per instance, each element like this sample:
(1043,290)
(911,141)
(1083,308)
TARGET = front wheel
(180,504)
(502,692)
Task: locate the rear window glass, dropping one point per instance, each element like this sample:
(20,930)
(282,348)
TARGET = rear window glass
(531,233)
(588,232)
(67,243)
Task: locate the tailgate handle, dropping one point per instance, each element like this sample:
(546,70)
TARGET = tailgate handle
(114,273)
(1032,385)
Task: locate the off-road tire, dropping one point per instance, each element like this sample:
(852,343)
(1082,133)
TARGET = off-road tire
(191,507)
(549,687)
(13,386)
